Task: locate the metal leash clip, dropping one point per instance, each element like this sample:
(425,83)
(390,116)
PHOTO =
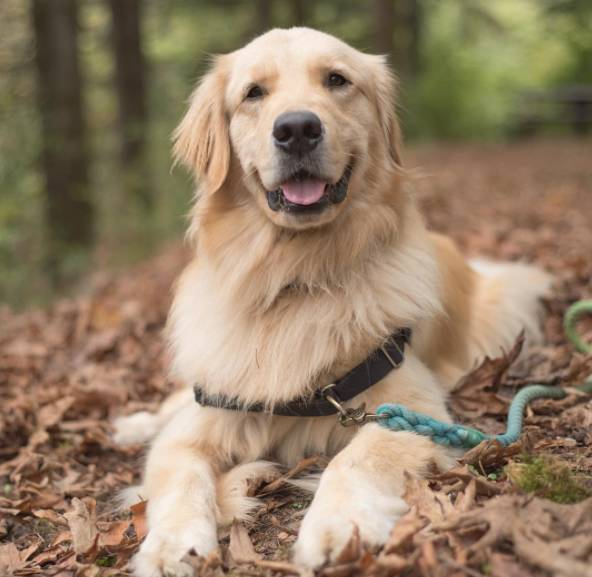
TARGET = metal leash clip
(349,416)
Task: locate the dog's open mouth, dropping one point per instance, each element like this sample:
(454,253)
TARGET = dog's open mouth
(307,193)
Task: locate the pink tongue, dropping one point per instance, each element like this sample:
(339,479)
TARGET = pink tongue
(304,191)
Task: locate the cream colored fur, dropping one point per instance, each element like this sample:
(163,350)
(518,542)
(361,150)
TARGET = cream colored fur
(274,306)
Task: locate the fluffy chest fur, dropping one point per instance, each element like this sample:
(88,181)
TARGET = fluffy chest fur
(292,313)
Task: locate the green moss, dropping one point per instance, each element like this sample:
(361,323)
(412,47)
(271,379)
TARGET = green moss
(106,561)
(549,478)
(45,529)
(496,475)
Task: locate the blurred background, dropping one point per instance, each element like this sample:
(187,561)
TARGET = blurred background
(90,91)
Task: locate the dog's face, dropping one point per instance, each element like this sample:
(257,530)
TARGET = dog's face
(306,118)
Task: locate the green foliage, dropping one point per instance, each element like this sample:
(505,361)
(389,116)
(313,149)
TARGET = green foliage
(476,63)
(571,22)
(549,478)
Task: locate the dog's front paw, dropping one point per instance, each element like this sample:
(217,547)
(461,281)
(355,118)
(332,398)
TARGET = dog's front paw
(161,553)
(136,428)
(322,541)
(160,556)
(327,529)
(144,566)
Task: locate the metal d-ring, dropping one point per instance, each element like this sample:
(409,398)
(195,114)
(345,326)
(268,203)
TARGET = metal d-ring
(350,416)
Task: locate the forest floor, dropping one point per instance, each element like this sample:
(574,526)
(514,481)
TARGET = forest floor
(65,373)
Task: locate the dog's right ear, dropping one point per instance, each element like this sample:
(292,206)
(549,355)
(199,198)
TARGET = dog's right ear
(386,92)
(202,140)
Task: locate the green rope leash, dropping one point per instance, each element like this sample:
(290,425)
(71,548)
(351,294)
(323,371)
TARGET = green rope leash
(399,418)
(574,312)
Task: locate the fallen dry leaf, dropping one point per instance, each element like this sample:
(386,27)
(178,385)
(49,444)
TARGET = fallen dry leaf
(489,455)
(352,550)
(554,537)
(432,505)
(464,476)
(82,520)
(10,559)
(477,393)
(407,527)
(354,559)
(13,559)
(139,519)
(241,549)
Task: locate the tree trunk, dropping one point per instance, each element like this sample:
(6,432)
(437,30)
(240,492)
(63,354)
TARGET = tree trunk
(415,37)
(299,12)
(263,16)
(384,25)
(130,78)
(69,211)
(397,29)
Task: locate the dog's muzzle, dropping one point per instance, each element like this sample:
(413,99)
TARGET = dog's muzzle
(333,194)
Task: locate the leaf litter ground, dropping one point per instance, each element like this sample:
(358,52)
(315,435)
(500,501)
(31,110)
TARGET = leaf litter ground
(526,510)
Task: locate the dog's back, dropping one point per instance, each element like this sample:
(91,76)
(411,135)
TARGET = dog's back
(486,306)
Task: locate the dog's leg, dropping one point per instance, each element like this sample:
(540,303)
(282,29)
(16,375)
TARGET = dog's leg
(180,484)
(143,426)
(363,486)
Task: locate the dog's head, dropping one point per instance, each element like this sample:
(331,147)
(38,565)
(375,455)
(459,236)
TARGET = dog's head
(307,121)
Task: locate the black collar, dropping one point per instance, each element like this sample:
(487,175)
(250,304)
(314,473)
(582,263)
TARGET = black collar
(327,400)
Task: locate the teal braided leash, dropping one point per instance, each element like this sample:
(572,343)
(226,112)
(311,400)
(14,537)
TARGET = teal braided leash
(399,418)
(573,313)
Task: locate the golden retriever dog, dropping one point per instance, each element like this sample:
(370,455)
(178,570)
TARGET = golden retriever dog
(309,253)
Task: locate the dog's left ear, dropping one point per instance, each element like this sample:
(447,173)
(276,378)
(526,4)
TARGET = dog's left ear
(202,140)
(386,94)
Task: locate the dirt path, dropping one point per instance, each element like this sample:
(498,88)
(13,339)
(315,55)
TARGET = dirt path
(66,372)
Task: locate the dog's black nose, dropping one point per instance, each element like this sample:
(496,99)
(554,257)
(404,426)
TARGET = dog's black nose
(297,132)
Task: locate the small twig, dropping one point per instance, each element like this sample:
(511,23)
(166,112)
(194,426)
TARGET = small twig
(278,483)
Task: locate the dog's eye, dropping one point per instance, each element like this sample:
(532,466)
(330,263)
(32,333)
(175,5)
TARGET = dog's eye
(255,92)
(335,80)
